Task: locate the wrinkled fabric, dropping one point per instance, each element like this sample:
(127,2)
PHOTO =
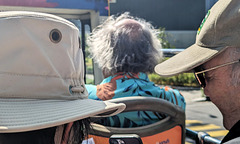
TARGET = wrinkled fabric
(130,84)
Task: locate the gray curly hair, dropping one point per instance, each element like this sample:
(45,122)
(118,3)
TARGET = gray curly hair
(125,44)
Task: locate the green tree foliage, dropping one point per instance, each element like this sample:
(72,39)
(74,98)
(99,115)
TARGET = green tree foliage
(185,79)
(163,38)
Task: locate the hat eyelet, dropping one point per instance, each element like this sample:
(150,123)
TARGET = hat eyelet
(70,89)
(55,36)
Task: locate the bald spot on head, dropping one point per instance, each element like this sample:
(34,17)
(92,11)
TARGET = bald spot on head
(134,27)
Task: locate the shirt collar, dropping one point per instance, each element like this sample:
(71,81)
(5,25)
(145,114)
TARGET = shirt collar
(234,132)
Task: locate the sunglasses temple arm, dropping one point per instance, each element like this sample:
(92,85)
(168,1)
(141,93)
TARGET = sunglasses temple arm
(218,66)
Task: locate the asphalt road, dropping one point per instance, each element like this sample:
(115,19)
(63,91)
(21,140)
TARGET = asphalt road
(199,109)
(202,115)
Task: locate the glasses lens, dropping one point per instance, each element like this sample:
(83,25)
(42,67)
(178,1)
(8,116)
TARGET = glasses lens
(201,79)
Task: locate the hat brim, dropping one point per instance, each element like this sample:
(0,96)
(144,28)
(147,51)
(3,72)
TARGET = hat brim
(19,115)
(186,60)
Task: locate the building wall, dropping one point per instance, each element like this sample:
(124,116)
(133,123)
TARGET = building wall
(180,18)
(171,14)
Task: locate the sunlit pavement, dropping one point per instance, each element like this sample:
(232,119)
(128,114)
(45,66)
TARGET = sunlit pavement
(213,130)
(202,115)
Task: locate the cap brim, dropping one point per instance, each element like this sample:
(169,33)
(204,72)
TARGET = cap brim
(186,60)
(19,115)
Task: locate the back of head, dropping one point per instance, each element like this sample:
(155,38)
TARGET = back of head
(125,44)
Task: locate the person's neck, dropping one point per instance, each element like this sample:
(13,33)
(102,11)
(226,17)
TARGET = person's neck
(106,75)
(230,120)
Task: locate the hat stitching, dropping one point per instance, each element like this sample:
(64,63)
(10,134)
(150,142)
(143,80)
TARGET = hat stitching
(72,115)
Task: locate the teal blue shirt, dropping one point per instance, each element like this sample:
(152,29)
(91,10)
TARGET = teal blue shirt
(129,84)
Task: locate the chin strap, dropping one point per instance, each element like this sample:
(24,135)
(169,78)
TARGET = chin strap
(61,135)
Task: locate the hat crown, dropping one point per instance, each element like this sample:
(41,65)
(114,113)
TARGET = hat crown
(40,57)
(221,26)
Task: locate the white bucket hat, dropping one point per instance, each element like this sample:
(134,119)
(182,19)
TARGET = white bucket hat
(41,74)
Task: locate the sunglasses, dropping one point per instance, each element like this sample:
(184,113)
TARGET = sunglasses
(200,73)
